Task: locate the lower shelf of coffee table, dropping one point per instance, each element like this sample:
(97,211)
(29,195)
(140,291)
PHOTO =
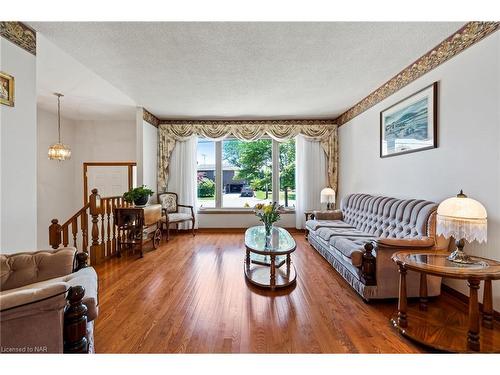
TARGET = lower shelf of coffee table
(446,332)
(260,275)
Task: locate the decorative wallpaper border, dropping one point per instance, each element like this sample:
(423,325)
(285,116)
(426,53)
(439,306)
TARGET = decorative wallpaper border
(468,35)
(247,122)
(150,118)
(20,34)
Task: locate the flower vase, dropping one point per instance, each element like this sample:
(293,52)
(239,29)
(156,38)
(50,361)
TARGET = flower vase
(268,228)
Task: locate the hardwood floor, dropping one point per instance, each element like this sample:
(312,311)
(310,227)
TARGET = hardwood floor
(190,296)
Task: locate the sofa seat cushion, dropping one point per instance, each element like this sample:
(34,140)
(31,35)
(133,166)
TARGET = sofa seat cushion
(86,277)
(28,295)
(327,233)
(176,217)
(316,224)
(351,247)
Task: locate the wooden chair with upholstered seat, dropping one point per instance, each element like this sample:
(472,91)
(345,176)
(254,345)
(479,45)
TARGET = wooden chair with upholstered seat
(170,212)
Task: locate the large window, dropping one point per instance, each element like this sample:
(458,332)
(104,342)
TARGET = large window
(287,173)
(245,173)
(206,173)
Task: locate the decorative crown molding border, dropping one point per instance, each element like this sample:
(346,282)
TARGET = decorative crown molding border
(150,118)
(468,35)
(247,122)
(20,34)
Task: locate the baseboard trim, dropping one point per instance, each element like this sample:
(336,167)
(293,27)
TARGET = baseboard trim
(238,230)
(465,299)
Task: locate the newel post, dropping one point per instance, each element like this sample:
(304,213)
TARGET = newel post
(75,322)
(95,209)
(55,234)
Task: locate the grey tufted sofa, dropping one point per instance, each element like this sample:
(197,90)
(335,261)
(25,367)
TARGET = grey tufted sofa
(360,238)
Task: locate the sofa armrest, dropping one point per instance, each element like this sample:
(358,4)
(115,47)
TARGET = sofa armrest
(52,318)
(405,243)
(328,215)
(23,297)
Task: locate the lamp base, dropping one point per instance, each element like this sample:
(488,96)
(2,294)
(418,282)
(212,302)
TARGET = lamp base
(458,256)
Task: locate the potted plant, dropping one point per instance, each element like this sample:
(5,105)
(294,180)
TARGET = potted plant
(139,195)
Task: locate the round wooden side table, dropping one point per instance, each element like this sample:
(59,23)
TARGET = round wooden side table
(437,264)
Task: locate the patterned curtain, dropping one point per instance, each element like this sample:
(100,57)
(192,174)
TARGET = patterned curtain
(172,131)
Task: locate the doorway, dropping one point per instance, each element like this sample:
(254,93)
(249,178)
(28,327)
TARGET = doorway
(111,179)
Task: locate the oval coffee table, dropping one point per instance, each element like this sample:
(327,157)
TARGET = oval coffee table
(267,261)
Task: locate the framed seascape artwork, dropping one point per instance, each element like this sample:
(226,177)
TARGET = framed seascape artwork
(411,124)
(6,89)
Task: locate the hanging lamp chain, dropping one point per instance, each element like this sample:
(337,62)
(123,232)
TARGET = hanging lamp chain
(59,115)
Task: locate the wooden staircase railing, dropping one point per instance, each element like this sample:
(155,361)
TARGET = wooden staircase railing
(103,232)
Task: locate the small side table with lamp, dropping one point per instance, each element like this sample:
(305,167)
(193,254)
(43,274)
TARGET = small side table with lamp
(464,219)
(327,196)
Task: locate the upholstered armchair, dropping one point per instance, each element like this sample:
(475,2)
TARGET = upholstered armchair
(48,302)
(170,212)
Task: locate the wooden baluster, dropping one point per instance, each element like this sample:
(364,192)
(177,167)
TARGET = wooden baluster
(74,230)
(55,234)
(103,214)
(84,223)
(95,208)
(108,241)
(113,243)
(65,233)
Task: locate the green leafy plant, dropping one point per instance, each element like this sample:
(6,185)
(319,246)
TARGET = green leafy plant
(206,188)
(137,193)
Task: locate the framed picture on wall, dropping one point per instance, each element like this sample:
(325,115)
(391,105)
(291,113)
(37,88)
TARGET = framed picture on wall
(410,125)
(6,89)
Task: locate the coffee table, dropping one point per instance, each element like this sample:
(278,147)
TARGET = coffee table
(268,262)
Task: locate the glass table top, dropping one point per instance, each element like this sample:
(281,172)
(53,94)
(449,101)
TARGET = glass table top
(279,242)
(443,261)
(437,263)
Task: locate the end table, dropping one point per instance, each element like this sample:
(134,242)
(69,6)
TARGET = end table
(437,264)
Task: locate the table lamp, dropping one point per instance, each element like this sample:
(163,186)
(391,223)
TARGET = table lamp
(464,219)
(328,197)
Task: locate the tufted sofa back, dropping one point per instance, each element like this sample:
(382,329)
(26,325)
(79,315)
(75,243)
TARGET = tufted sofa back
(21,269)
(390,217)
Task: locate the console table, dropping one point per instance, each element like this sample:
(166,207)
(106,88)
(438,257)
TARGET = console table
(136,224)
(437,264)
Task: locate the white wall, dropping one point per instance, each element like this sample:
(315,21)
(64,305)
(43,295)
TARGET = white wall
(18,145)
(60,184)
(150,156)
(102,141)
(468,156)
(55,193)
(139,145)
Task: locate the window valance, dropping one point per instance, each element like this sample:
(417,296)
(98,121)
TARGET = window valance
(170,132)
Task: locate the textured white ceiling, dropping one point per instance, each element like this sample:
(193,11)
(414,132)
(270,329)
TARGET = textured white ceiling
(246,70)
(87,96)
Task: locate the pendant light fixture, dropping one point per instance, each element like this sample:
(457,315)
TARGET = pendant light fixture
(59,151)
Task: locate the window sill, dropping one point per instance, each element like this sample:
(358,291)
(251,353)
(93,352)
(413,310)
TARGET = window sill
(203,211)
